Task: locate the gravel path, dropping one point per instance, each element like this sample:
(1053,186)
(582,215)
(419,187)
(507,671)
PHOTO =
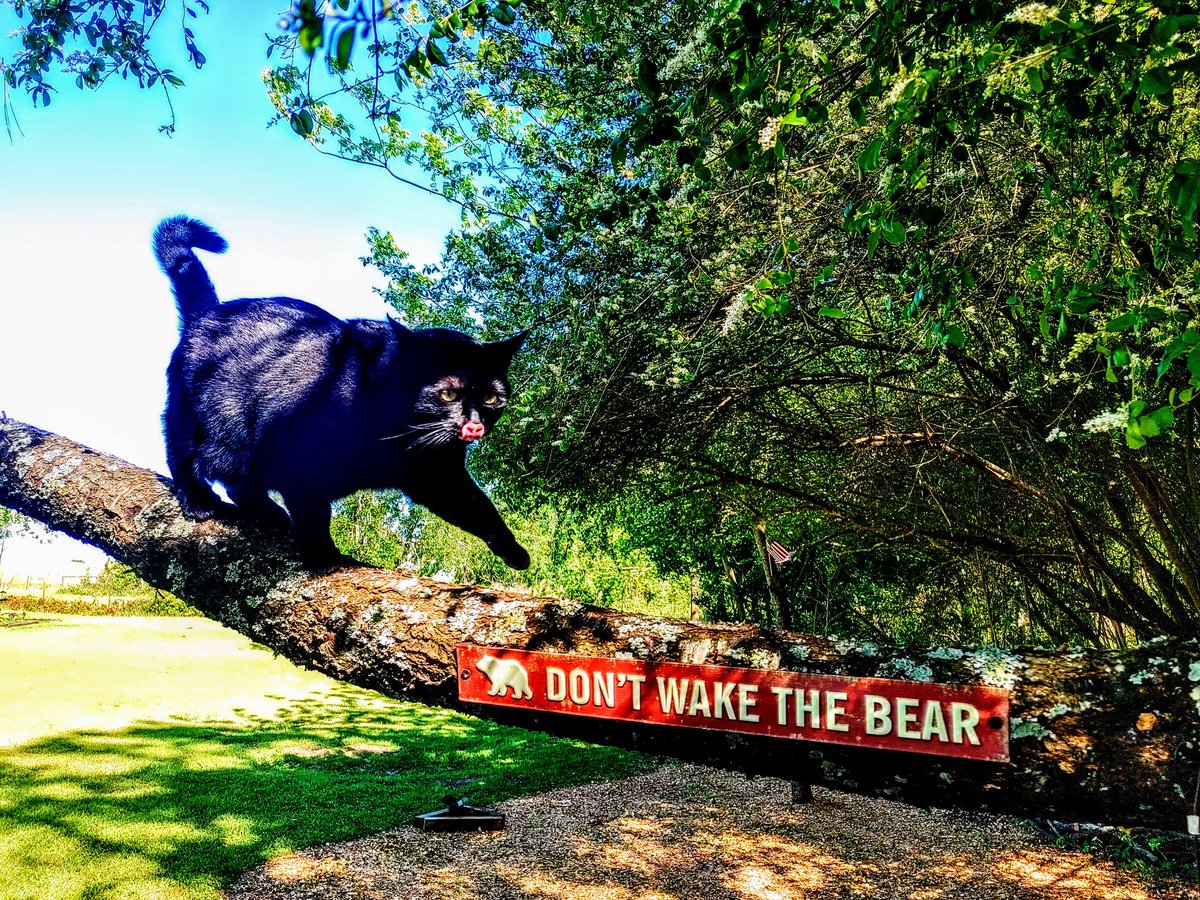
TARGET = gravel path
(692,833)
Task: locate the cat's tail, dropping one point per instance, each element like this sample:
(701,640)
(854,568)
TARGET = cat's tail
(174,240)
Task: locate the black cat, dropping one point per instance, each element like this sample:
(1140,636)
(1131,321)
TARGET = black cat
(277,394)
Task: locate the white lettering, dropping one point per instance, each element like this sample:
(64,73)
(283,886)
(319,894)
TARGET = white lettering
(835,709)
(781,698)
(671,697)
(604,689)
(699,702)
(935,722)
(722,707)
(580,687)
(637,681)
(812,707)
(556,685)
(963,719)
(878,714)
(746,702)
(906,718)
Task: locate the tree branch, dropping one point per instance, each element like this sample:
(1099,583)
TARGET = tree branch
(1097,735)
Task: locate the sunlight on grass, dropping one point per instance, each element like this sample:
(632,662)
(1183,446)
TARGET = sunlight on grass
(191,778)
(73,672)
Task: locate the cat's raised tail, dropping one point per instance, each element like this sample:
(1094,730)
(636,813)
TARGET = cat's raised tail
(174,240)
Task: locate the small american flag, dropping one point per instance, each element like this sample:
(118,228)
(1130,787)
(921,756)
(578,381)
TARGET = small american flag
(779,553)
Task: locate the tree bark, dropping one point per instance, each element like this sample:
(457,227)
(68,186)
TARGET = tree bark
(1097,736)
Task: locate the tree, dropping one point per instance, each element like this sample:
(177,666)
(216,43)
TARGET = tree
(117,37)
(12,523)
(926,272)
(1095,735)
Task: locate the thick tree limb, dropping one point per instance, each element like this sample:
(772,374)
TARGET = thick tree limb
(1098,736)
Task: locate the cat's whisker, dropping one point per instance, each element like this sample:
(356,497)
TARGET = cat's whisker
(434,438)
(425,434)
(427,426)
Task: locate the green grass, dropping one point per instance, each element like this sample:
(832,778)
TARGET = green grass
(156,759)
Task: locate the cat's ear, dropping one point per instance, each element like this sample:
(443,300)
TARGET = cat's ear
(402,331)
(505,350)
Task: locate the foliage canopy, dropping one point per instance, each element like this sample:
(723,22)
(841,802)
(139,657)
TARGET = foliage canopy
(908,286)
(891,280)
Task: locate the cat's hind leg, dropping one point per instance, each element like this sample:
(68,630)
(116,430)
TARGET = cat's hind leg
(254,502)
(310,526)
(196,497)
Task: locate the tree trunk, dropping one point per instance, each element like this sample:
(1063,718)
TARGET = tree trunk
(1095,735)
(780,605)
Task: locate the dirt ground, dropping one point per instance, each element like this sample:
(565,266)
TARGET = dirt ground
(685,833)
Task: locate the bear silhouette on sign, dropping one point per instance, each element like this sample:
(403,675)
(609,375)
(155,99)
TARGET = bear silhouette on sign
(505,674)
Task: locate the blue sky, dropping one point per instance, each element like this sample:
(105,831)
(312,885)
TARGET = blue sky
(86,318)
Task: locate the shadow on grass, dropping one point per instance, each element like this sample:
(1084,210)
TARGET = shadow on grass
(176,809)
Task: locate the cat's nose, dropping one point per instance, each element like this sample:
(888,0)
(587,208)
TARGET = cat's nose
(473,431)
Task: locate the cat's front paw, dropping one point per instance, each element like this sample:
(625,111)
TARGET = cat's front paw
(513,554)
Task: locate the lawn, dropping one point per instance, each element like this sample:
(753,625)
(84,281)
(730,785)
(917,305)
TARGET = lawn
(155,759)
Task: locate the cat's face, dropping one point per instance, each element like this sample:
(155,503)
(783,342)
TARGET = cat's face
(465,389)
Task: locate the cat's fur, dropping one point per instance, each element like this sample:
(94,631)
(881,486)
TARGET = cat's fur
(276,394)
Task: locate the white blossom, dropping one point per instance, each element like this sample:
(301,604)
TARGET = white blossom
(1112,420)
(1033,14)
(770,132)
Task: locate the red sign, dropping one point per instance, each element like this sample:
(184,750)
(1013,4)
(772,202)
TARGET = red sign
(945,719)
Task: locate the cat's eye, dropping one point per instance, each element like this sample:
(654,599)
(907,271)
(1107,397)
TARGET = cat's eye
(491,399)
(448,395)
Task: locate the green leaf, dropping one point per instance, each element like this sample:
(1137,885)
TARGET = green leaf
(647,77)
(753,90)
(1156,82)
(1193,364)
(435,54)
(1169,26)
(345,46)
(418,62)
(868,160)
(1163,418)
(619,151)
(831,312)
(302,123)
(686,154)
(1034,77)
(310,37)
(1133,437)
(857,112)
(1123,322)
(1062,326)
(895,232)
(1184,192)
(504,13)
(737,157)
